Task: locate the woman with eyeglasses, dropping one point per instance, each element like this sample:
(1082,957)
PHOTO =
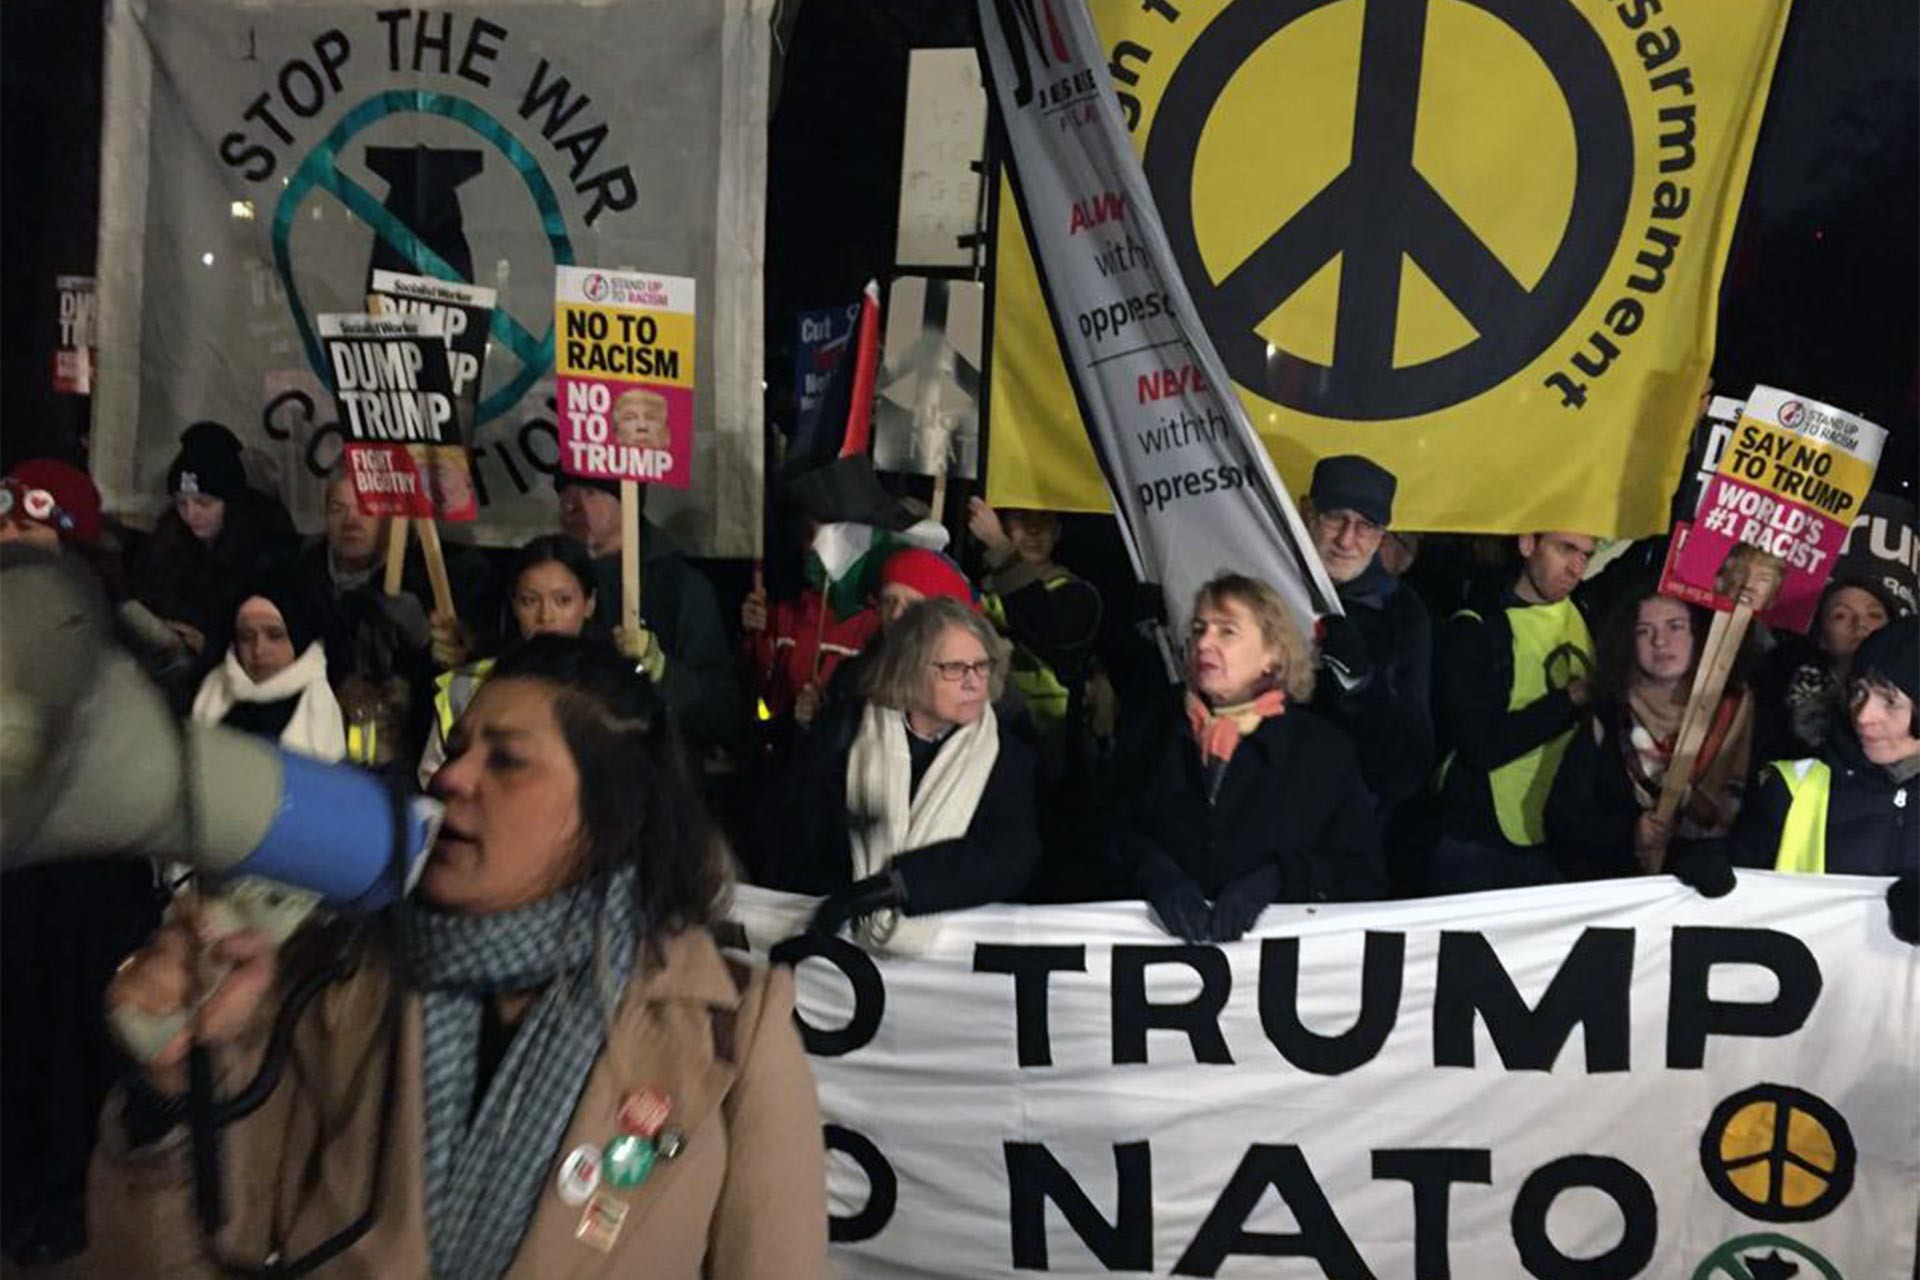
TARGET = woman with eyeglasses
(913,800)
(1252,799)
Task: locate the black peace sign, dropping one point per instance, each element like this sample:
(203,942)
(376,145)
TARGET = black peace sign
(1381,208)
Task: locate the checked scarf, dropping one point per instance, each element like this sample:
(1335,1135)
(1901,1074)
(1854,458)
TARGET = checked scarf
(483,1179)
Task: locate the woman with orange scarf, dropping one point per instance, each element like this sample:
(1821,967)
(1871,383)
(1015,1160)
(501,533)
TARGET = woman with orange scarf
(1600,816)
(1252,799)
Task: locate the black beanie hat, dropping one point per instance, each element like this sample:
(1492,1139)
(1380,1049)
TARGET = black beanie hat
(208,462)
(1892,654)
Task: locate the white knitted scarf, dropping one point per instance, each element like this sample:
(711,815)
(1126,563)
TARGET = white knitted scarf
(316,728)
(884,823)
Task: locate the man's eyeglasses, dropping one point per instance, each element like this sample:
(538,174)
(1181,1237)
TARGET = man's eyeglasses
(1343,521)
(955,672)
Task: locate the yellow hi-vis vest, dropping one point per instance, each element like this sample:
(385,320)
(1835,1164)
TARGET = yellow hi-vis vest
(1551,649)
(1803,837)
(453,690)
(1046,697)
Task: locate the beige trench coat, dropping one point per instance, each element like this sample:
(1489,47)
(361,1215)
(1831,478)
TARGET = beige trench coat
(746,1198)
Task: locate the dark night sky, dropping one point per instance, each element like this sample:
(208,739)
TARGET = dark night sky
(1822,291)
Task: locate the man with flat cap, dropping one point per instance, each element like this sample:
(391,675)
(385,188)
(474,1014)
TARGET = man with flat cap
(1376,662)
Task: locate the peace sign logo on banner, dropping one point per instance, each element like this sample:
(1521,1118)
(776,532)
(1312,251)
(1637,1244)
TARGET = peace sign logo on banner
(1381,211)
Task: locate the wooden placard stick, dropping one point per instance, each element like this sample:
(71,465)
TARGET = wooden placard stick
(436,566)
(630,554)
(396,554)
(1710,682)
(1709,650)
(397,528)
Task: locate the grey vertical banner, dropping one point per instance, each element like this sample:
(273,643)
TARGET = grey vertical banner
(1194,489)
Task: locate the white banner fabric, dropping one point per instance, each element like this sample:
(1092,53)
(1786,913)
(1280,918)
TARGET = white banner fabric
(1603,1080)
(1194,489)
(259,162)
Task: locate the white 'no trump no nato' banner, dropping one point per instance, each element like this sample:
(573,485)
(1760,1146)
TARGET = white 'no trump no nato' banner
(1592,1081)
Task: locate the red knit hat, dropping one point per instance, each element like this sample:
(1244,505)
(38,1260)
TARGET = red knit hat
(929,573)
(75,508)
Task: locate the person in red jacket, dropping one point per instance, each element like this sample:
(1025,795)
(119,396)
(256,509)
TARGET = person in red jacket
(794,647)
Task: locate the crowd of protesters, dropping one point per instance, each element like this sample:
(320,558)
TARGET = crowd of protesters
(941,720)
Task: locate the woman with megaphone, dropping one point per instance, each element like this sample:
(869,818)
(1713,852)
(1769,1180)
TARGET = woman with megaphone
(577,1081)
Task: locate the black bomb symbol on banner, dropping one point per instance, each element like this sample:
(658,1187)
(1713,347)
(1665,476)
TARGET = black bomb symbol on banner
(423,194)
(1381,210)
(419,228)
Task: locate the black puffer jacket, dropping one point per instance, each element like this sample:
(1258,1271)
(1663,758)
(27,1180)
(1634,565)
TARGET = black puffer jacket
(1872,829)
(1292,795)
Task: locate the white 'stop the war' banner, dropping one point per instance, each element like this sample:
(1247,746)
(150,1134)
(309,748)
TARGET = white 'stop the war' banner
(1600,1080)
(260,162)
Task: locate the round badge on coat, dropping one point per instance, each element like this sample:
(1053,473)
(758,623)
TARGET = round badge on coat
(579,1176)
(643,1112)
(626,1162)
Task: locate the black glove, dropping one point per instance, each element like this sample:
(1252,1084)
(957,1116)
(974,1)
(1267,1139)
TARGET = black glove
(1182,909)
(1343,652)
(1242,900)
(858,901)
(1903,908)
(1706,869)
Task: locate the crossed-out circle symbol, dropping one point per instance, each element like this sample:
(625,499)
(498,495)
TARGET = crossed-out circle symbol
(1381,208)
(1741,1259)
(1779,1154)
(321,170)
(1791,412)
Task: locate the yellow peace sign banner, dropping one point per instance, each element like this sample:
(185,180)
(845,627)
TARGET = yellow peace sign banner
(1479,241)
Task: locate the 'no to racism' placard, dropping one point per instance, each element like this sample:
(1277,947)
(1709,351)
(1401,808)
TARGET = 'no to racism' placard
(624,353)
(391,380)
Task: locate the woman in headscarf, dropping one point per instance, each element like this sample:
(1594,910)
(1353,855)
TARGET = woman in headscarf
(913,799)
(1252,799)
(582,1085)
(1601,818)
(271,680)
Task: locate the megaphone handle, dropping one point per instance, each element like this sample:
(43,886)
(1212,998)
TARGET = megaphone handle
(203,1127)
